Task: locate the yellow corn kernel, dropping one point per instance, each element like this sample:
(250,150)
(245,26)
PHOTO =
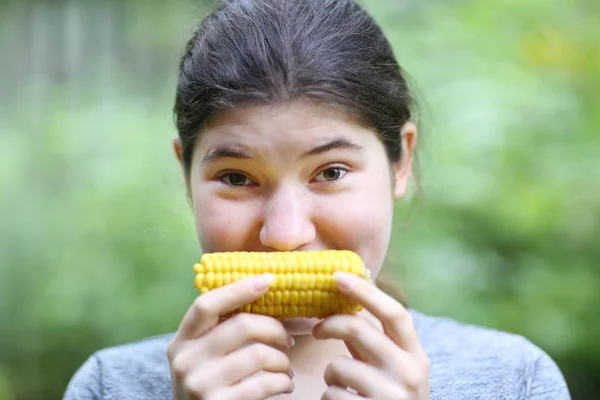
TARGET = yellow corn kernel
(303,284)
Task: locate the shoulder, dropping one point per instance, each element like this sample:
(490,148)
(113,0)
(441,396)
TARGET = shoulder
(471,360)
(442,335)
(132,371)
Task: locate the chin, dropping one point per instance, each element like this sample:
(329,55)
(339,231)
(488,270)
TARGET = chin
(300,326)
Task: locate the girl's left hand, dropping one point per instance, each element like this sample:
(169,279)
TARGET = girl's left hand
(385,365)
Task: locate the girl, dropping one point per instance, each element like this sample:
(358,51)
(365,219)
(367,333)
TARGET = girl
(295,133)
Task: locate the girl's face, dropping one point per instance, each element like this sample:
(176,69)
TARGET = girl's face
(295,177)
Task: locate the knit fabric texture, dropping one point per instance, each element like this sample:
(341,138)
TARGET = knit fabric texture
(467,362)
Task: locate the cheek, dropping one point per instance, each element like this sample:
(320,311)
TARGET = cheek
(373,226)
(221,225)
(361,220)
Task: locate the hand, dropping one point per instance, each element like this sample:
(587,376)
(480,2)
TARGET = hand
(232,359)
(385,365)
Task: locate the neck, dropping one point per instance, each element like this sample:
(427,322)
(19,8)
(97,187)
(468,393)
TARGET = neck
(310,356)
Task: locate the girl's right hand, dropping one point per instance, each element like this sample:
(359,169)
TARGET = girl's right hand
(233,359)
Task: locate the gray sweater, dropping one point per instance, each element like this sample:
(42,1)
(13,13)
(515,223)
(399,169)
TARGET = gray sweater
(467,362)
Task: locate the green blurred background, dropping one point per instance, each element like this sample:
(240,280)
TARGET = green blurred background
(97,239)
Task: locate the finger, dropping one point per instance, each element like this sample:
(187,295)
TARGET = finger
(353,352)
(338,393)
(345,372)
(258,387)
(371,345)
(238,365)
(397,322)
(204,313)
(245,328)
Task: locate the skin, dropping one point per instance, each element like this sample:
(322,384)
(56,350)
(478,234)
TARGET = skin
(290,177)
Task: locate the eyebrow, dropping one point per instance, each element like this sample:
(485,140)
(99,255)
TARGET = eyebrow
(339,143)
(221,152)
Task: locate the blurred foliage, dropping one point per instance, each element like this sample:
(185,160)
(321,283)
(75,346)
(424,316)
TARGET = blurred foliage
(97,239)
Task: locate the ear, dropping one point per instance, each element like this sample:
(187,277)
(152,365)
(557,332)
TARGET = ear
(179,154)
(403,167)
(178,149)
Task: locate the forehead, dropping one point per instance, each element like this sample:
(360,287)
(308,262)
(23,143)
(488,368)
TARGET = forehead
(298,123)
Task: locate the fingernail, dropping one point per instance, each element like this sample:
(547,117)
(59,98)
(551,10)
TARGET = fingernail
(261,282)
(292,374)
(290,340)
(345,280)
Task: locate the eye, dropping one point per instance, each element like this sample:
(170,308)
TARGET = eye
(235,179)
(330,174)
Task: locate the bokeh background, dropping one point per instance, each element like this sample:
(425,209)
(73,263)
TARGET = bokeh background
(97,239)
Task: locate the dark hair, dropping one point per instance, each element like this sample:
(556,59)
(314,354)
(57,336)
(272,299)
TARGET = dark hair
(275,51)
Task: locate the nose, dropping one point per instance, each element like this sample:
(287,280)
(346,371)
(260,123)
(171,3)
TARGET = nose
(286,224)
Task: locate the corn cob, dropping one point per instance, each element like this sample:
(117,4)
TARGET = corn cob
(303,283)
